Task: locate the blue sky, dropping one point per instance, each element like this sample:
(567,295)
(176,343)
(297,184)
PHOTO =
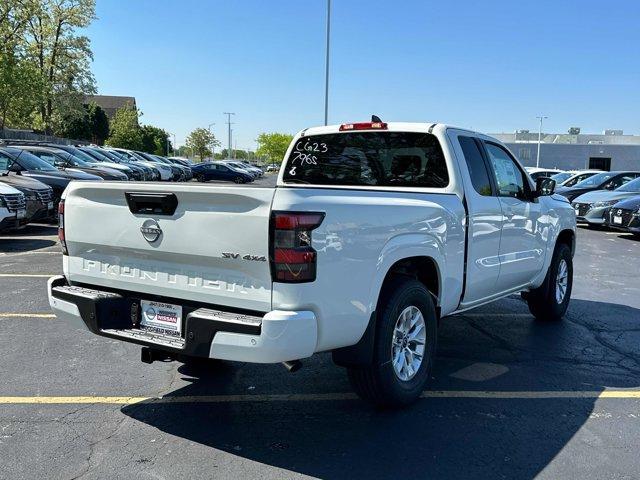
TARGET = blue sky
(489,65)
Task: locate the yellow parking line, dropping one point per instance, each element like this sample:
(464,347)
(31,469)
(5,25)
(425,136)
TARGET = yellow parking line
(508,395)
(26,275)
(26,315)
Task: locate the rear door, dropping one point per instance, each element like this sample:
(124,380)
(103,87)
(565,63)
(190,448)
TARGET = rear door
(214,248)
(523,241)
(484,220)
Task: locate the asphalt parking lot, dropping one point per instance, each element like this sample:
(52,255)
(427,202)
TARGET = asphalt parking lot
(510,398)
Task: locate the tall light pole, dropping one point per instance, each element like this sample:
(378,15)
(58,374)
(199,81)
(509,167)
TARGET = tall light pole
(213,147)
(541,118)
(326,66)
(228,114)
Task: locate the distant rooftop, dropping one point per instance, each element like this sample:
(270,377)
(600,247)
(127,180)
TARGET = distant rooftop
(608,137)
(109,103)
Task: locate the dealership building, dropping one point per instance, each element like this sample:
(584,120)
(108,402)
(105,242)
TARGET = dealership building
(612,150)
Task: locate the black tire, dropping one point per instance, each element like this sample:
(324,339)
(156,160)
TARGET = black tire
(201,178)
(543,301)
(238,180)
(378,383)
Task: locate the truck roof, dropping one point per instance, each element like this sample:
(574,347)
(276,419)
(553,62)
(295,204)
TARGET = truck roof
(391,126)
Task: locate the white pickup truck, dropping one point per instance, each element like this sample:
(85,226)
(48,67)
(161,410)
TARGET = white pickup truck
(373,233)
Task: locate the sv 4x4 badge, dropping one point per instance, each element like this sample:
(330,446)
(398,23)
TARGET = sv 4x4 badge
(255,258)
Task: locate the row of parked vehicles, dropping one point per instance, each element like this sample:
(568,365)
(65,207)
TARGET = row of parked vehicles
(600,199)
(33,175)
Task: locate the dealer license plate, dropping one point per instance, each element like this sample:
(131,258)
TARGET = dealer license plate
(159,317)
(617,220)
(50,206)
(20,214)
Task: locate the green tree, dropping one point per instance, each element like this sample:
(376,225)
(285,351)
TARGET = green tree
(20,89)
(273,146)
(201,141)
(62,57)
(98,122)
(155,140)
(125,131)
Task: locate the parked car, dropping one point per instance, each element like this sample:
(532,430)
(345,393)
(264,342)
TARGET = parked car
(273,168)
(536,172)
(625,215)
(65,161)
(591,207)
(80,154)
(21,162)
(205,171)
(134,172)
(185,172)
(149,173)
(573,177)
(184,161)
(251,168)
(367,241)
(38,196)
(165,171)
(599,181)
(176,172)
(188,173)
(13,207)
(240,167)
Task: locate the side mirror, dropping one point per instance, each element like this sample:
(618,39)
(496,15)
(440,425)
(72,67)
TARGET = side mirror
(544,186)
(14,167)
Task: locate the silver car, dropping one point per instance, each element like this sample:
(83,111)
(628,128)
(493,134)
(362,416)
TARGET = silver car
(590,207)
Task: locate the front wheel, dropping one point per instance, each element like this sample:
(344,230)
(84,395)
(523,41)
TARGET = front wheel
(200,178)
(404,346)
(239,180)
(551,299)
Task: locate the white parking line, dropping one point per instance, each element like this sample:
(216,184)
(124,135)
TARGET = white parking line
(26,315)
(302,397)
(26,275)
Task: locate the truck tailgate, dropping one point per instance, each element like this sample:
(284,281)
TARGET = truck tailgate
(214,248)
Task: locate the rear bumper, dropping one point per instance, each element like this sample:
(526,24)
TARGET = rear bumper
(277,336)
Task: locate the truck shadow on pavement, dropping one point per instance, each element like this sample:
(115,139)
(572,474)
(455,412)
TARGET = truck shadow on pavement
(499,348)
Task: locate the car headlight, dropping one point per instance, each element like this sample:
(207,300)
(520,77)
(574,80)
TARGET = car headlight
(603,204)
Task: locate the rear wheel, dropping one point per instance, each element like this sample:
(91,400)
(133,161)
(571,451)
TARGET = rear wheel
(239,180)
(551,299)
(404,346)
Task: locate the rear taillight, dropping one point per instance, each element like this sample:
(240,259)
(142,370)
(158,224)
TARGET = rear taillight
(293,259)
(61,237)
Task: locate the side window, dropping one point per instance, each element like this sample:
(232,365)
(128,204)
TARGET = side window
(475,164)
(5,162)
(508,176)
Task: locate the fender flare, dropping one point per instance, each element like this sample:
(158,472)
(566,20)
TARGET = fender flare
(398,248)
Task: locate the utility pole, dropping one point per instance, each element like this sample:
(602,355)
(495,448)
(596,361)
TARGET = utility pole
(541,118)
(228,114)
(326,64)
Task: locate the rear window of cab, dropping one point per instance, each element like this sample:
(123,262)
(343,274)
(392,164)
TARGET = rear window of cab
(389,159)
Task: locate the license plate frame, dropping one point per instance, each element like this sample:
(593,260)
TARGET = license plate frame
(161,317)
(21,214)
(49,205)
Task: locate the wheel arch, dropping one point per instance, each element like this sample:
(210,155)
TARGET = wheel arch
(426,270)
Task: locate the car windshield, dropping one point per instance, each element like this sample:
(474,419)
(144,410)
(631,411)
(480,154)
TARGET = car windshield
(632,186)
(96,155)
(594,181)
(398,159)
(82,156)
(29,161)
(561,177)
